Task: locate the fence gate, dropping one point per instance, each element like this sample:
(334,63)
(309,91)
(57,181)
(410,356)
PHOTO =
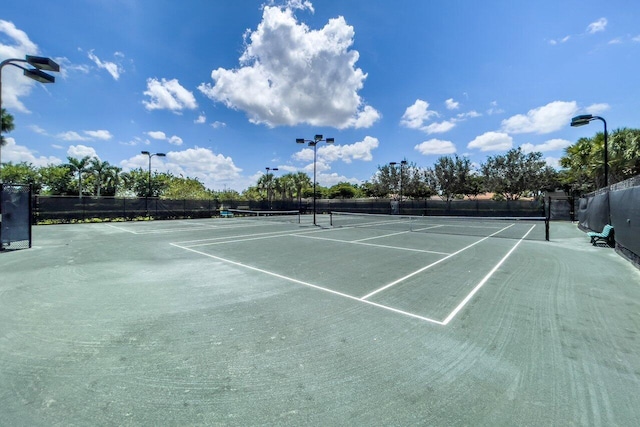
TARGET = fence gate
(15,216)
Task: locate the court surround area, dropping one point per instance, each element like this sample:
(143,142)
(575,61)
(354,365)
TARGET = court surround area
(239,321)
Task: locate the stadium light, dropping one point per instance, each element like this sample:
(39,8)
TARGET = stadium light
(149,189)
(403,163)
(38,63)
(314,143)
(269,185)
(584,119)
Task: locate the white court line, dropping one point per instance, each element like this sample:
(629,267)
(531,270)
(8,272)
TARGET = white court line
(300,282)
(402,279)
(121,229)
(484,280)
(360,242)
(239,238)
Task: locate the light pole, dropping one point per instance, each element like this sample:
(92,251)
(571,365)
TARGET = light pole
(584,120)
(269,185)
(39,63)
(149,189)
(314,143)
(402,164)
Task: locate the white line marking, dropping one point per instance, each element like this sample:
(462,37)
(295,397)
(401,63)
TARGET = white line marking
(360,242)
(121,229)
(402,279)
(382,236)
(320,288)
(241,237)
(484,280)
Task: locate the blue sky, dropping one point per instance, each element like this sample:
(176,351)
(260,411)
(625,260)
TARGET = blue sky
(225,87)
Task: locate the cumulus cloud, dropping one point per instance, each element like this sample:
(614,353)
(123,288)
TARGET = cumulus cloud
(168,95)
(441,127)
(15,43)
(80,151)
(99,134)
(213,170)
(87,135)
(597,108)
(12,152)
(201,119)
(111,67)
(492,141)
(451,104)
(548,118)
(597,26)
(161,136)
(290,74)
(417,114)
(328,153)
(435,146)
(550,145)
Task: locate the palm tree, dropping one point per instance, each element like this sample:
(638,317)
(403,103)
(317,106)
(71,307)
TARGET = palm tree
(79,166)
(113,178)
(100,170)
(301,181)
(7,125)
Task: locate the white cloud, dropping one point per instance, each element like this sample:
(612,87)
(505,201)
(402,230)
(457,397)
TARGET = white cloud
(558,41)
(159,135)
(14,85)
(597,108)
(597,26)
(550,145)
(492,141)
(72,136)
(435,146)
(417,114)
(494,109)
(15,153)
(327,153)
(156,134)
(175,140)
(554,162)
(636,39)
(213,170)
(291,74)
(201,119)
(218,125)
(441,127)
(112,68)
(451,104)
(168,95)
(80,151)
(468,115)
(549,118)
(99,134)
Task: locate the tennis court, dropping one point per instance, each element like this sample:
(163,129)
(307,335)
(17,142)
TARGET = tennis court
(275,321)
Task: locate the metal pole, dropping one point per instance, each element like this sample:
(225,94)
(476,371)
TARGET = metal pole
(314,182)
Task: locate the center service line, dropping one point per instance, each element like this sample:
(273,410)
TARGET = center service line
(484,280)
(402,279)
(300,282)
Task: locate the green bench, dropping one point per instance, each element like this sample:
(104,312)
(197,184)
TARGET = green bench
(606,235)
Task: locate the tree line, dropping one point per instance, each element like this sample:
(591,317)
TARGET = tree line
(508,176)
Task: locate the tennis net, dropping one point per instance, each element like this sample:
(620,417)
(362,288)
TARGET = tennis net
(531,228)
(276,216)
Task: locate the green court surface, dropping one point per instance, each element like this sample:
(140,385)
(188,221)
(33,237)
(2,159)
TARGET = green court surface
(237,321)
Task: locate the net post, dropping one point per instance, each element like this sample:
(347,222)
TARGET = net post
(331,218)
(546,229)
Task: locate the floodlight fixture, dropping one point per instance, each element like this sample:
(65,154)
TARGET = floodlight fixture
(42,63)
(314,143)
(584,119)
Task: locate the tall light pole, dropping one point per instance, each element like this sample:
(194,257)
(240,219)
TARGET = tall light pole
(584,120)
(403,163)
(149,189)
(269,185)
(38,63)
(314,143)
